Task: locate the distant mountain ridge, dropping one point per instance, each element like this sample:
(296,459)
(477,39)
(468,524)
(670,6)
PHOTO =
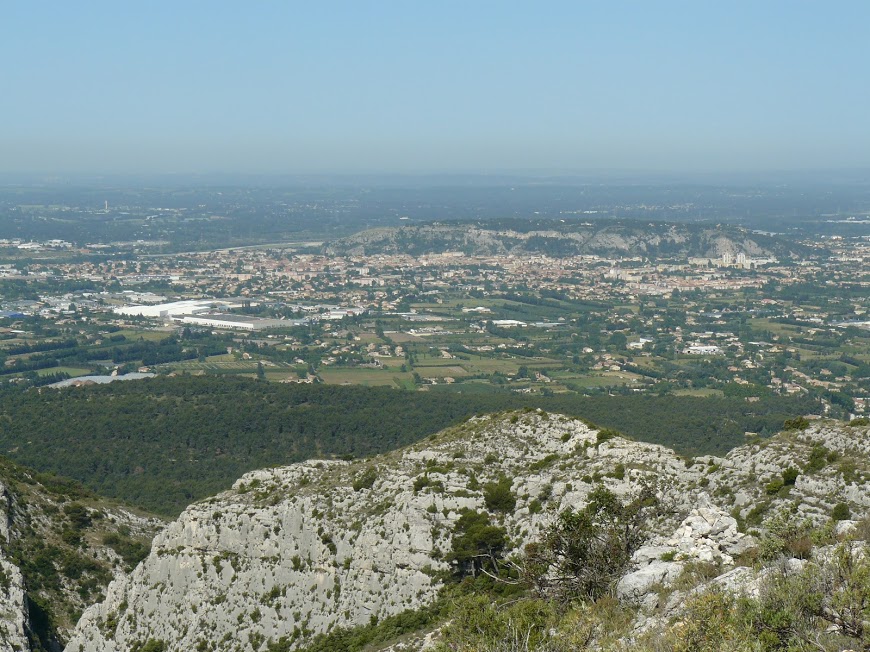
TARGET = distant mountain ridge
(568,238)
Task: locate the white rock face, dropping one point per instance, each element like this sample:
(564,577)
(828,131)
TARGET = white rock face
(295,551)
(13,608)
(5,504)
(14,619)
(635,586)
(710,534)
(707,534)
(838,474)
(13,599)
(235,572)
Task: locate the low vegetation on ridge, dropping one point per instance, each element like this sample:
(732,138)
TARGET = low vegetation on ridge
(68,543)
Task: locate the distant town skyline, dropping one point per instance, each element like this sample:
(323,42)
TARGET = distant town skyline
(393,87)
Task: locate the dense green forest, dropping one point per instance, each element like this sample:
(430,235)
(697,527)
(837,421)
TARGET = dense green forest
(165,442)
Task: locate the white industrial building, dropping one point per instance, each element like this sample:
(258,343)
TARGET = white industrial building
(234,322)
(167,310)
(703,349)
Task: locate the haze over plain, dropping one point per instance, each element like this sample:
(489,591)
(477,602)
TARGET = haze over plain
(433,87)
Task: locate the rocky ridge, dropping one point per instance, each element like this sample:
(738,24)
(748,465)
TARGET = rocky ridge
(559,239)
(60,546)
(295,551)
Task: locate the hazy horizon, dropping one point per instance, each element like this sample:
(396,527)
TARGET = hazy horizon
(213,88)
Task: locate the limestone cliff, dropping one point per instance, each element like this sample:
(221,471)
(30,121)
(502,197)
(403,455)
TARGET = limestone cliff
(59,548)
(295,551)
(559,239)
(14,616)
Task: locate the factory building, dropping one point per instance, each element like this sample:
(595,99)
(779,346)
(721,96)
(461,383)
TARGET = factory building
(233,322)
(167,310)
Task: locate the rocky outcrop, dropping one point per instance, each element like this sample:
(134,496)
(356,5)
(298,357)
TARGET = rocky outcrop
(296,551)
(710,534)
(14,618)
(832,463)
(707,534)
(59,532)
(300,550)
(612,237)
(13,600)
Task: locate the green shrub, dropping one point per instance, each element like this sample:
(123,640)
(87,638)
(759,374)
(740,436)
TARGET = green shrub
(543,463)
(355,639)
(421,482)
(585,551)
(71,537)
(478,624)
(849,470)
(841,512)
(498,496)
(546,492)
(772,488)
(78,514)
(606,434)
(798,423)
(151,645)
(618,472)
(366,479)
(130,550)
(711,624)
(824,604)
(754,516)
(785,535)
(790,476)
(819,458)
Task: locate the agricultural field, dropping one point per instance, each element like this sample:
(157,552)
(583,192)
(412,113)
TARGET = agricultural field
(368,377)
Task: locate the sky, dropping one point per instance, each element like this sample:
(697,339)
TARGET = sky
(281,87)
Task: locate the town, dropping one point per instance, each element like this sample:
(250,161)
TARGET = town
(450,321)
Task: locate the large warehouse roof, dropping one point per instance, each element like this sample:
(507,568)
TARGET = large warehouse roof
(187,307)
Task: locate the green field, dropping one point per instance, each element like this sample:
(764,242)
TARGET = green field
(510,365)
(702,392)
(148,335)
(597,379)
(367,377)
(72,371)
(441,371)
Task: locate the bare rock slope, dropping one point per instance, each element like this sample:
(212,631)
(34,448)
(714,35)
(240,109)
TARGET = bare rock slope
(295,551)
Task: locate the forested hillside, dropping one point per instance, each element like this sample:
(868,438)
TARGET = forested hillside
(165,442)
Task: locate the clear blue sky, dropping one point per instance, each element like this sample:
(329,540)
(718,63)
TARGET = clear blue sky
(409,86)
